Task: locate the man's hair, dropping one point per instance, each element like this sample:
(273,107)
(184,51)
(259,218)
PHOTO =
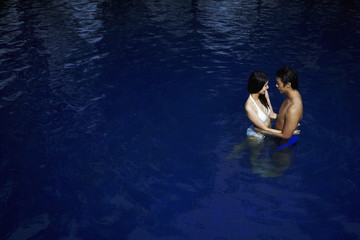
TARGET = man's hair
(288,75)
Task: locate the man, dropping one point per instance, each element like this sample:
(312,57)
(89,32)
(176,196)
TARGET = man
(291,110)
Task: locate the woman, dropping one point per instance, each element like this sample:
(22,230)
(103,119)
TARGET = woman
(258,106)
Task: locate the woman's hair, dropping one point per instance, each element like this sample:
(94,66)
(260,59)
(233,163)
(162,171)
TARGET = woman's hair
(256,82)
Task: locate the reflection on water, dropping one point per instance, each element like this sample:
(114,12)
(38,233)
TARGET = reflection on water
(265,159)
(117,118)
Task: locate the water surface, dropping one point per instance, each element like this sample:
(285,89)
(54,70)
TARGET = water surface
(125,120)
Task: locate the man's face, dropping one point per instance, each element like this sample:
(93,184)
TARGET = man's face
(280,86)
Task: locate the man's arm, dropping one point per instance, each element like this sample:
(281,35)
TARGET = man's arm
(291,122)
(292,119)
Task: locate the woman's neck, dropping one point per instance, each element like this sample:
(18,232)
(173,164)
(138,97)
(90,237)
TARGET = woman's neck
(255,96)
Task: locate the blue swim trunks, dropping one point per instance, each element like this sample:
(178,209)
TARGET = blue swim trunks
(291,141)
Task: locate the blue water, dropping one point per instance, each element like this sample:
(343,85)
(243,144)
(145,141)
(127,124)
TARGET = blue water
(125,120)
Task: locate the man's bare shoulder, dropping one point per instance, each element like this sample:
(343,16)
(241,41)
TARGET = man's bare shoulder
(295,108)
(296,103)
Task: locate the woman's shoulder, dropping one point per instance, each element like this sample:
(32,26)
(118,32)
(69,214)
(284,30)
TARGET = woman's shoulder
(247,102)
(249,105)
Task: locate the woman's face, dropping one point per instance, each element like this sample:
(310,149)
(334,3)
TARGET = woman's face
(265,88)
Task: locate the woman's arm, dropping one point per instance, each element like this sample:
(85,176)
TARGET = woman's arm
(273,115)
(254,118)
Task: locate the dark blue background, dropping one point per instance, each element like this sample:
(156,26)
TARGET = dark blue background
(118,119)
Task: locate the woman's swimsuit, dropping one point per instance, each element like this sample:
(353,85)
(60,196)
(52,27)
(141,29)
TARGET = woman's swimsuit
(263,117)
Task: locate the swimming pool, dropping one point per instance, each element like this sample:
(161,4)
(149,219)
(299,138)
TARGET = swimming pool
(124,120)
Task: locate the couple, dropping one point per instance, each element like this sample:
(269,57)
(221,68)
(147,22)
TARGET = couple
(259,110)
